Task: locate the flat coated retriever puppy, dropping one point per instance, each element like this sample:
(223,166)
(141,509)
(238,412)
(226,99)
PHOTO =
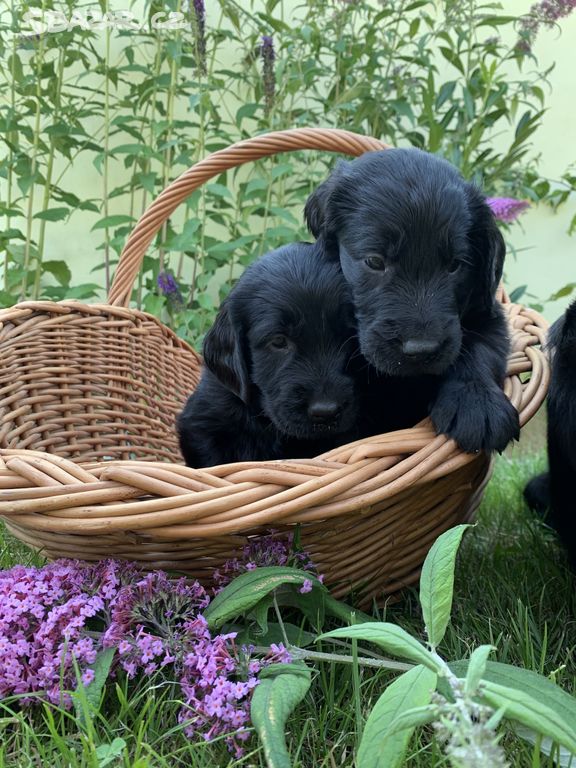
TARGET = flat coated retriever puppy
(422,253)
(555,490)
(277,380)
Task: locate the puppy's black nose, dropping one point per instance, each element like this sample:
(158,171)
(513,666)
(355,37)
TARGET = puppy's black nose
(420,347)
(323,411)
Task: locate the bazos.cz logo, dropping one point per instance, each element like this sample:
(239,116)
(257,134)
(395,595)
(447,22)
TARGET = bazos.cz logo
(40,21)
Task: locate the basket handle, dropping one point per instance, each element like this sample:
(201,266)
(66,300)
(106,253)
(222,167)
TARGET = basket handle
(327,139)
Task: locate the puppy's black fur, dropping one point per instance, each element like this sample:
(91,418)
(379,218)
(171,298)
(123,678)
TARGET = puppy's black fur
(278,380)
(554,490)
(423,256)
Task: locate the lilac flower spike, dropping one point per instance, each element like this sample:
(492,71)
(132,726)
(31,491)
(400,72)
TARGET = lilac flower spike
(169,287)
(269,79)
(547,13)
(507,209)
(200,33)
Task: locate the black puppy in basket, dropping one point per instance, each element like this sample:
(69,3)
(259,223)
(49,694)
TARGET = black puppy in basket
(277,380)
(283,376)
(554,490)
(422,253)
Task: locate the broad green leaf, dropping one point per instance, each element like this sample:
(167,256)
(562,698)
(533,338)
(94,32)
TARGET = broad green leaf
(280,690)
(528,711)
(274,634)
(345,612)
(260,612)
(392,638)
(538,687)
(93,691)
(53,214)
(477,667)
(113,221)
(59,269)
(106,753)
(437,583)
(186,239)
(379,747)
(249,588)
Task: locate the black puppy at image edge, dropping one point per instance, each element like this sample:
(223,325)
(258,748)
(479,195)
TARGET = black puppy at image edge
(276,381)
(553,491)
(423,256)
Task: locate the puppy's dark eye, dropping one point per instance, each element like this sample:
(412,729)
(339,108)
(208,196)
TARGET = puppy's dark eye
(454,266)
(375,262)
(278,343)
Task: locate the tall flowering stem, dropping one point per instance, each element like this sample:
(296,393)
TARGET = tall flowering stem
(268,77)
(200,34)
(169,288)
(545,13)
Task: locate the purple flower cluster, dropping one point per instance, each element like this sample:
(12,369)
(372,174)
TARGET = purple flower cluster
(545,13)
(55,619)
(44,615)
(262,551)
(169,287)
(268,77)
(507,209)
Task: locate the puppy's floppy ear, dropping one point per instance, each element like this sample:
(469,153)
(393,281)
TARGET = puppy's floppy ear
(317,211)
(225,354)
(489,250)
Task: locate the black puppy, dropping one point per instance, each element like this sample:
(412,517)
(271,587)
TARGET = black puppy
(277,381)
(554,490)
(423,255)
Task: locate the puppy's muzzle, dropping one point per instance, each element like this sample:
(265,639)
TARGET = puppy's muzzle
(324,414)
(421,349)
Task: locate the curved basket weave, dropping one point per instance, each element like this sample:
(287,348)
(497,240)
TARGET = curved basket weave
(88,399)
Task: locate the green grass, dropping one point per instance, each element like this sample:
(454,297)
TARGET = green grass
(512,589)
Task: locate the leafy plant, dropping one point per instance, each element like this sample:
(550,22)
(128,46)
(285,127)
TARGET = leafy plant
(465,710)
(135,107)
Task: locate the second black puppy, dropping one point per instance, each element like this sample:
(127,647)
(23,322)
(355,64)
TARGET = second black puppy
(423,256)
(554,490)
(276,381)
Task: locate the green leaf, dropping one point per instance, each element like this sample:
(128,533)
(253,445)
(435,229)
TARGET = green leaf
(537,686)
(186,239)
(59,269)
(477,667)
(112,221)
(219,190)
(380,747)
(274,634)
(529,711)
(245,591)
(344,612)
(281,689)
(106,753)
(437,583)
(93,691)
(52,214)
(392,638)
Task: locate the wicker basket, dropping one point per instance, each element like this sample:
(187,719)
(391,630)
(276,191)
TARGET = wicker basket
(89,462)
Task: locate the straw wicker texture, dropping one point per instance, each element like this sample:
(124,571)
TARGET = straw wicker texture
(89,463)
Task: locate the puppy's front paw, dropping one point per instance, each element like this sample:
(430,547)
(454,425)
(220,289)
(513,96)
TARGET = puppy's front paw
(476,416)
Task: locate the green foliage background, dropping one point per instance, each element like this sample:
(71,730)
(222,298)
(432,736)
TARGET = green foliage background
(142,106)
